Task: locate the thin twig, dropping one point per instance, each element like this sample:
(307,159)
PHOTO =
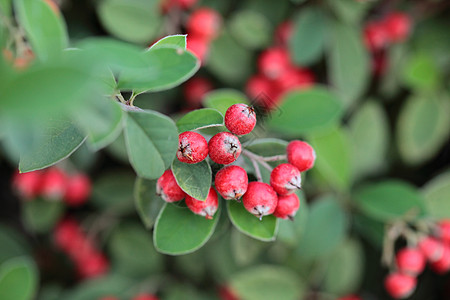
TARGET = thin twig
(257,158)
(257,170)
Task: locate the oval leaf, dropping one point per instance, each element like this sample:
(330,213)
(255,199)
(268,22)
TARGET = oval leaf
(114,191)
(200,118)
(41,215)
(18,279)
(437,194)
(250,29)
(193,179)
(178,40)
(148,203)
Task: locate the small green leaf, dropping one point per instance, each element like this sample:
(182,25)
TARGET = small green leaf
(420,72)
(114,191)
(322,213)
(148,203)
(179,231)
(152,142)
(389,200)
(423,127)
(264,230)
(306,111)
(41,215)
(350,11)
(436,193)
(178,40)
(193,179)
(200,118)
(308,39)
(222,99)
(18,279)
(267,282)
(250,29)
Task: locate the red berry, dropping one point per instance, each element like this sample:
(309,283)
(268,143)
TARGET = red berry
(285,179)
(194,90)
(240,119)
(260,199)
(301,155)
(204,23)
(431,248)
(294,78)
(65,233)
(231,182)
(168,189)
(224,148)
(273,62)
(226,293)
(283,33)
(442,265)
(444,230)
(192,147)
(54,183)
(287,206)
(199,46)
(145,297)
(400,285)
(263,91)
(379,63)
(397,26)
(410,261)
(28,184)
(375,36)
(205,208)
(78,190)
(350,297)
(92,265)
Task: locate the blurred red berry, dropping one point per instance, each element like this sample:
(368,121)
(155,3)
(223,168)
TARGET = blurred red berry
(375,36)
(442,265)
(283,33)
(260,87)
(273,62)
(54,183)
(225,293)
(397,26)
(65,233)
(293,78)
(379,63)
(145,297)
(431,248)
(199,46)
(204,23)
(410,261)
(78,190)
(194,90)
(28,184)
(444,230)
(399,285)
(92,265)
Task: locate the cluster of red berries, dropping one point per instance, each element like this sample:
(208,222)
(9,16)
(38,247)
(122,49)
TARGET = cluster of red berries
(231,182)
(277,74)
(53,184)
(137,297)
(70,238)
(411,261)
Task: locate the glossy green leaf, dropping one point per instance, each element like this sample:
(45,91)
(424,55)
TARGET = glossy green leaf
(266,282)
(113,191)
(152,142)
(369,133)
(178,40)
(250,29)
(42,215)
(420,72)
(135,21)
(423,126)
(45,30)
(18,279)
(436,193)
(263,230)
(306,111)
(348,62)
(59,139)
(389,200)
(179,231)
(200,118)
(193,179)
(222,99)
(308,38)
(148,203)
(334,153)
(322,213)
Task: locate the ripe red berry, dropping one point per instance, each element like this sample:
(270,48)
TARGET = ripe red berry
(145,297)
(431,248)
(397,26)
(199,46)
(92,265)
(375,36)
(444,230)
(231,182)
(226,293)
(28,184)
(400,285)
(54,183)
(273,62)
(442,265)
(192,147)
(294,78)
(301,155)
(240,119)
(65,233)
(168,189)
(224,148)
(205,208)
(410,261)
(285,179)
(78,190)
(194,90)
(204,23)
(283,33)
(287,207)
(263,91)
(260,199)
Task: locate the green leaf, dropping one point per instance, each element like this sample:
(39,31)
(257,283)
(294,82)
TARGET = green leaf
(222,99)
(423,126)
(264,230)
(178,40)
(436,193)
(245,250)
(250,29)
(370,229)
(97,288)
(6,7)
(306,111)
(334,153)
(200,118)
(322,213)
(45,30)
(13,244)
(308,38)
(59,139)
(18,279)
(345,268)
(114,191)
(152,142)
(389,200)
(135,21)
(290,232)
(148,203)
(350,11)
(42,215)
(370,136)
(420,72)
(266,282)
(179,231)
(193,179)
(348,62)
